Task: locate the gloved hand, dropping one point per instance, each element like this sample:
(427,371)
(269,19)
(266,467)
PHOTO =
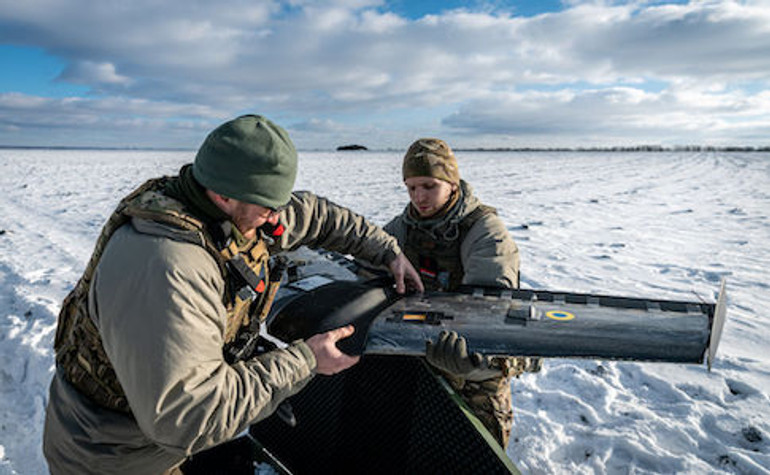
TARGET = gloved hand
(450,354)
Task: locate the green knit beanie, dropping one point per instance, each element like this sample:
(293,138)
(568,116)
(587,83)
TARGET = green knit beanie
(249,159)
(431,157)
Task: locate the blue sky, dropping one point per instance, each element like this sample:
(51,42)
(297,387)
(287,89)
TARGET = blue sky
(481,73)
(30,70)
(417,9)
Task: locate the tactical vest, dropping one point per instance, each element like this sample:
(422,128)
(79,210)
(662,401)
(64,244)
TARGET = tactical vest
(437,258)
(249,292)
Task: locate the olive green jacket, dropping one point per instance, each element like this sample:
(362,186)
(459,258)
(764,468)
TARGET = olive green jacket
(157,301)
(488,254)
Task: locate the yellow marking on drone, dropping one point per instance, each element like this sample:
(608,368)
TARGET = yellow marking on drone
(559,315)
(414,317)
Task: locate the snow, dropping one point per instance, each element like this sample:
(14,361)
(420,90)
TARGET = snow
(652,225)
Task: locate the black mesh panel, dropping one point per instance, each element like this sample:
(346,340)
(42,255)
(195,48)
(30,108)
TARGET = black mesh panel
(388,414)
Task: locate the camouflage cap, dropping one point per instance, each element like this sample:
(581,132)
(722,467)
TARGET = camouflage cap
(250,159)
(431,157)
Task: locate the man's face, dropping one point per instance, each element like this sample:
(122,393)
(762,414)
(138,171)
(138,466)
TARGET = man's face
(248,217)
(428,194)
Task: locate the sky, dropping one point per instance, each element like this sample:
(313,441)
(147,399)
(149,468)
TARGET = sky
(569,73)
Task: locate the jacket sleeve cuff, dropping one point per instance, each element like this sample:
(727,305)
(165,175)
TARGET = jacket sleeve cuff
(303,348)
(390,255)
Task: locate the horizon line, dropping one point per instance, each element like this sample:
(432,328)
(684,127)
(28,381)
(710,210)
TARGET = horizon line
(630,148)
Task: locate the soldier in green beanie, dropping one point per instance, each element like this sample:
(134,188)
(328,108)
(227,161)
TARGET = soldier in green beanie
(153,355)
(453,239)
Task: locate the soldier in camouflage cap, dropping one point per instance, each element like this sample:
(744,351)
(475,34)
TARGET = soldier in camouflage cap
(453,239)
(433,158)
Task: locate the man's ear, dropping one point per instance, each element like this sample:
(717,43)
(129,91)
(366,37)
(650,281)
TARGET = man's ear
(222,202)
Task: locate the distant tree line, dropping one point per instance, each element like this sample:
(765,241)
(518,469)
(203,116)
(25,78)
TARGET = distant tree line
(633,148)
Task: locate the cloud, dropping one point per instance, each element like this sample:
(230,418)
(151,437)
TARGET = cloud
(90,73)
(321,126)
(114,121)
(615,116)
(701,40)
(356,61)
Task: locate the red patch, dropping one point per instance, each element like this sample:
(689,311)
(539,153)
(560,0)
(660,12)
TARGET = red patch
(428,273)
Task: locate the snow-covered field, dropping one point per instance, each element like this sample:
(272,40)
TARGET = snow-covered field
(655,225)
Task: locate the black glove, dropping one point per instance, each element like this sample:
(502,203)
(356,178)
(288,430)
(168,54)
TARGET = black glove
(450,354)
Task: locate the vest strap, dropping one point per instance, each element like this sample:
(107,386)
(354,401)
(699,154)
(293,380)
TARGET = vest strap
(439,262)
